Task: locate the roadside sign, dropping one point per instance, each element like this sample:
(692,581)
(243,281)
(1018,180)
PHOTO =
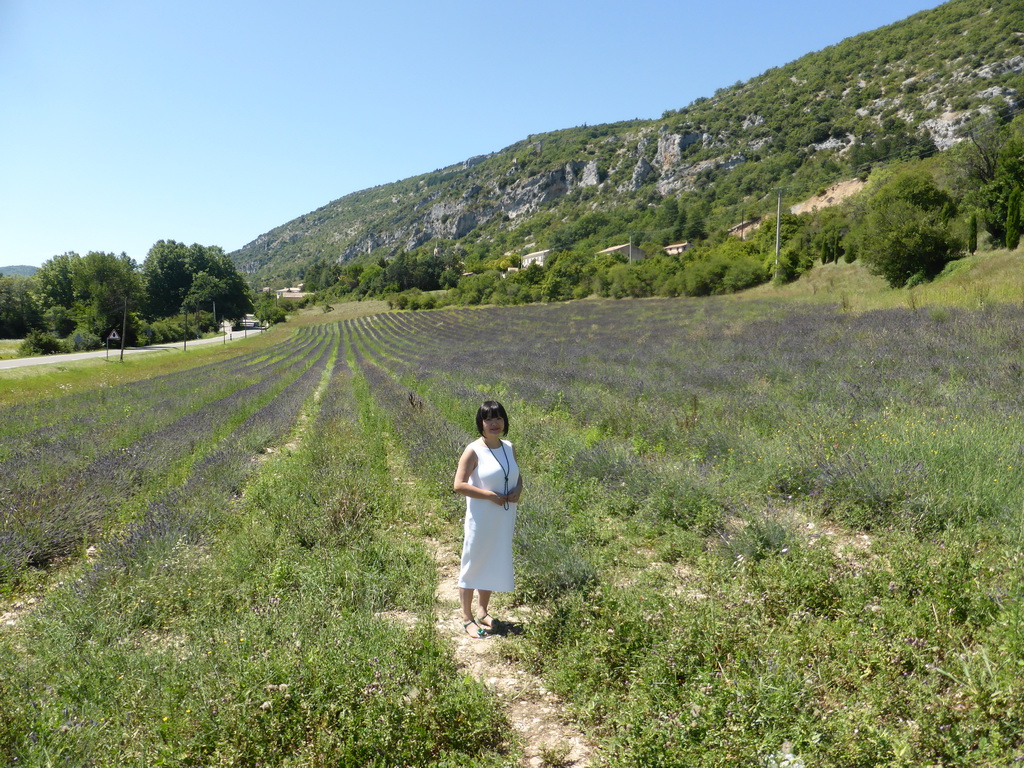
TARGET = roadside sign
(113,336)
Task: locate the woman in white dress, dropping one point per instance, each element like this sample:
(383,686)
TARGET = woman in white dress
(488,476)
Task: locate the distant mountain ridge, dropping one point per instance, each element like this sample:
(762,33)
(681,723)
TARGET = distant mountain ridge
(18,271)
(904,90)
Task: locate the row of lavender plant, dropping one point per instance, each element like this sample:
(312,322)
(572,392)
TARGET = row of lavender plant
(700,381)
(257,642)
(26,417)
(79,427)
(698,349)
(58,435)
(48,517)
(220,474)
(46,455)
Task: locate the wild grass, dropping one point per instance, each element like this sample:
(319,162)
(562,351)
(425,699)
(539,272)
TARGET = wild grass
(987,277)
(9,348)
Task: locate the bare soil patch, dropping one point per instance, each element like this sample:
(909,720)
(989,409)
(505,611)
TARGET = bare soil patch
(834,195)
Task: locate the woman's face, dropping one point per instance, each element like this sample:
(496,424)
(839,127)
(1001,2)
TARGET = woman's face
(494,427)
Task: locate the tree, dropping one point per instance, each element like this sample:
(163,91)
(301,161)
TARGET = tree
(167,278)
(668,214)
(828,229)
(988,167)
(56,281)
(972,233)
(267,310)
(1013,221)
(907,230)
(322,274)
(171,268)
(106,287)
(19,312)
(561,239)
(765,241)
(234,298)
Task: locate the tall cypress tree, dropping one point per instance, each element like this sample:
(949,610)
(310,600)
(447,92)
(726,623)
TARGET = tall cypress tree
(1013,220)
(972,233)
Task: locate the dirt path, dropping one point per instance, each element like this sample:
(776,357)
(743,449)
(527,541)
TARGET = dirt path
(535,713)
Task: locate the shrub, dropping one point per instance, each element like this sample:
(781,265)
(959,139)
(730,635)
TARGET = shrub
(743,274)
(83,339)
(40,343)
(907,229)
(164,331)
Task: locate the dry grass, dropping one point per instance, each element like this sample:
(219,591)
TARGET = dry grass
(971,282)
(315,315)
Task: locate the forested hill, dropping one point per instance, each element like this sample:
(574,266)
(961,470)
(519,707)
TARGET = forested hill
(20,271)
(900,92)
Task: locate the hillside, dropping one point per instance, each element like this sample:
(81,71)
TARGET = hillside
(19,271)
(900,92)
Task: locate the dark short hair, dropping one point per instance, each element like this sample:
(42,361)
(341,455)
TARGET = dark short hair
(491,409)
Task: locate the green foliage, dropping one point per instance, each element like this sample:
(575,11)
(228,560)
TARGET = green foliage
(907,229)
(19,311)
(834,114)
(40,343)
(987,168)
(1013,219)
(95,291)
(86,297)
(56,281)
(177,275)
(268,311)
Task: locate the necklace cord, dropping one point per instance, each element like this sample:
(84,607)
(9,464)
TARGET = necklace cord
(503,469)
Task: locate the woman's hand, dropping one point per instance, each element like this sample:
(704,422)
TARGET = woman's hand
(513,495)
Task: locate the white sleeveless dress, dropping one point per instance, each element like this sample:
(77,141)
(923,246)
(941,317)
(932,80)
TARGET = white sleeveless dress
(487,542)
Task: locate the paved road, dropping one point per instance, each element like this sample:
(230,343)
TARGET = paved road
(21,362)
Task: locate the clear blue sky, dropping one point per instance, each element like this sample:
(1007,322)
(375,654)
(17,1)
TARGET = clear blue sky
(212,121)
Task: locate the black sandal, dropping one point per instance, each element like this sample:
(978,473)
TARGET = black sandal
(479,632)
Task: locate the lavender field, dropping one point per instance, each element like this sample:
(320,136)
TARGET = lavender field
(753,533)
(756,529)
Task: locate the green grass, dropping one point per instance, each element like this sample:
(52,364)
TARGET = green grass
(987,277)
(9,348)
